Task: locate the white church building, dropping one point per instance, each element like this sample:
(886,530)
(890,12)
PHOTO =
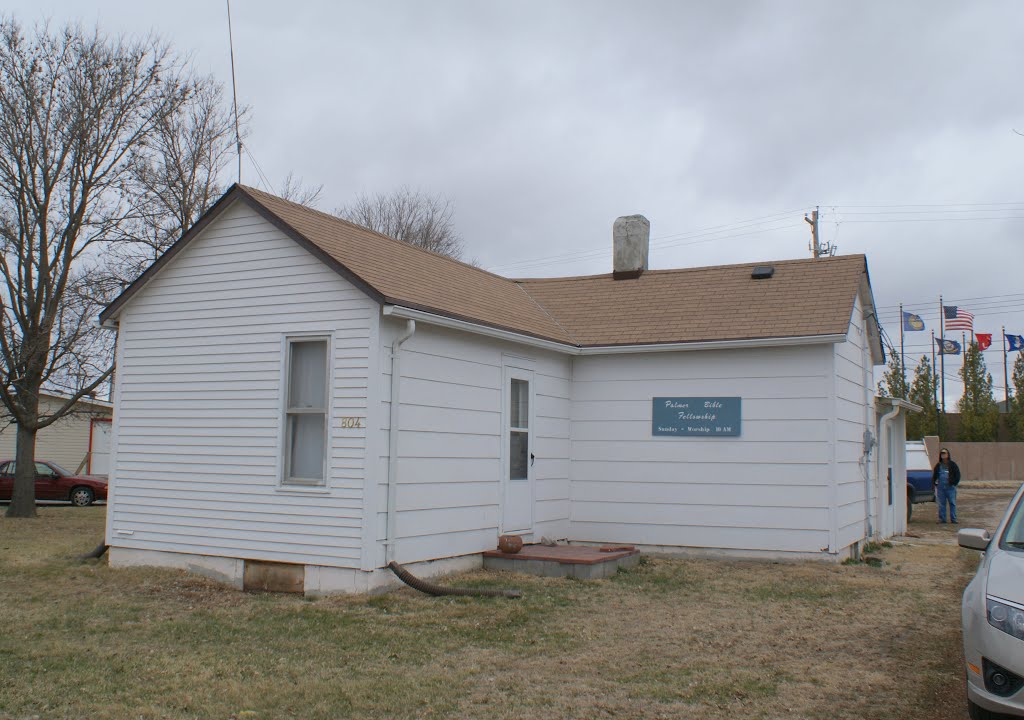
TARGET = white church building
(295,389)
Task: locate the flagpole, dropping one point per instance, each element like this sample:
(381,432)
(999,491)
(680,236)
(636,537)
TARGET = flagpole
(1006,377)
(903,358)
(942,355)
(935,391)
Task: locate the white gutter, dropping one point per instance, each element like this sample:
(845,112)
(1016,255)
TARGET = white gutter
(396,379)
(442,321)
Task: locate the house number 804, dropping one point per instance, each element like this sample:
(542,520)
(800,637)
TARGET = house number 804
(351,422)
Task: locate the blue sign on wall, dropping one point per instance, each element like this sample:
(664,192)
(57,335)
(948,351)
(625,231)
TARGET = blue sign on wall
(696,416)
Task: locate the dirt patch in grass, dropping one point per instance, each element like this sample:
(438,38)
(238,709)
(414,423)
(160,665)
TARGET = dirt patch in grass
(668,639)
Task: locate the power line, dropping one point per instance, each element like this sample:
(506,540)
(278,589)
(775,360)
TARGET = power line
(933,303)
(714,230)
(939,211)
(590,254)
(939,219)
(904,205)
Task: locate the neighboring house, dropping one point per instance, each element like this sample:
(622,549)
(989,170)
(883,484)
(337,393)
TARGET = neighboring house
(78,442)
(263,359)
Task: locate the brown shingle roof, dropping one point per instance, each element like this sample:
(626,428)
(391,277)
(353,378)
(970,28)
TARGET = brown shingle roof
(404,274)
(803,298)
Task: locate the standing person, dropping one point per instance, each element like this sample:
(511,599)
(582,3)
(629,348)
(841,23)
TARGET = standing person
(945,477)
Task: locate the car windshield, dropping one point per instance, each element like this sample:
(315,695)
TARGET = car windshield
(1013,535)
(58,468)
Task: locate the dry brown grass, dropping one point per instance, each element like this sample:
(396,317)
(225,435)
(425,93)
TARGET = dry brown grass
(671,639)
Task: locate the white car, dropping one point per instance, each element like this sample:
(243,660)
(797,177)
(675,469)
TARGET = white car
(993,618)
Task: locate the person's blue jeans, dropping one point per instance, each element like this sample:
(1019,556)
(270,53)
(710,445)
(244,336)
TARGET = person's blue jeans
(946,493)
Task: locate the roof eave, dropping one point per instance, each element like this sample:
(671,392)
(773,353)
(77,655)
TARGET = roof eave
(399,310)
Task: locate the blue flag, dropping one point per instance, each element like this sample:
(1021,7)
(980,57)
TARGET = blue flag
(948,347)
(912,322)
(1016,342)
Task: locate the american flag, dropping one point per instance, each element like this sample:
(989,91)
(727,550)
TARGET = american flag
(957,319)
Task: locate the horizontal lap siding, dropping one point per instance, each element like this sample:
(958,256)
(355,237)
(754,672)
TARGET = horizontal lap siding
(765,490)
(851,393)
(450,446)
(199,434)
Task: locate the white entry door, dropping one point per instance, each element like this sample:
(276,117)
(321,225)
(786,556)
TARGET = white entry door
(517,510)
(99,447)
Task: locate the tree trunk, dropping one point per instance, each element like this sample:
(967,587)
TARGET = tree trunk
(23,499)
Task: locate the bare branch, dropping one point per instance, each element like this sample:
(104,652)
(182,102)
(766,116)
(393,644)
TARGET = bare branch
(411,216)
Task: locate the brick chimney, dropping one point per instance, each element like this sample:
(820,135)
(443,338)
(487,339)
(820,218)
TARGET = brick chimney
(631,236)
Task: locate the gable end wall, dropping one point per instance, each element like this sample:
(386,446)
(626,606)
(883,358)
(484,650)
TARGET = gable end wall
(198,436)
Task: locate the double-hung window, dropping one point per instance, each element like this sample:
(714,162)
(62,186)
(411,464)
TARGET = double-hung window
(305,420)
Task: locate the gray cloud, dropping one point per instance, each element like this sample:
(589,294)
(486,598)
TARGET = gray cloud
(544,121)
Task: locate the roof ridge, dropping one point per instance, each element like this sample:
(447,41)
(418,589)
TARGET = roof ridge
(667,271)
(335,218)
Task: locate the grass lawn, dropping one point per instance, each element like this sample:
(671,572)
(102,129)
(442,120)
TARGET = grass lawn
(670,639)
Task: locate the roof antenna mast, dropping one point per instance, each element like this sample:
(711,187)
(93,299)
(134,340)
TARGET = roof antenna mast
(234,93)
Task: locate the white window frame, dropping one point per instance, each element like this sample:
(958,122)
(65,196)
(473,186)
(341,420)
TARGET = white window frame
(286,482)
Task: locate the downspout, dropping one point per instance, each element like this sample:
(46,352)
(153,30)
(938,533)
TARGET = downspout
(396,378)
(870,442)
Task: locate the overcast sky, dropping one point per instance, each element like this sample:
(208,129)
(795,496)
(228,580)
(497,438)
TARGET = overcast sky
(721,122)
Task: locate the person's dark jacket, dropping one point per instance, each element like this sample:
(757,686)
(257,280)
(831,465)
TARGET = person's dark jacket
(954,473)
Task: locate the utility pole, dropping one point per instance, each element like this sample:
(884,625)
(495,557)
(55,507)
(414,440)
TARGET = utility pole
(815,246)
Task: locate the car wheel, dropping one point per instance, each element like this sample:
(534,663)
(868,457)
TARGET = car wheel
(910,506)
(81,496)
(977,712)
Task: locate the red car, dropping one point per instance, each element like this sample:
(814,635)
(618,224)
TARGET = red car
(55,483)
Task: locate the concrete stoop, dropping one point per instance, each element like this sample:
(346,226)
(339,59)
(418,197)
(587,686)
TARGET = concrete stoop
(576,561)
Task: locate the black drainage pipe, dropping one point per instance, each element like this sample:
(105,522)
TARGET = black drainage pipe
(97,553)
(434,589)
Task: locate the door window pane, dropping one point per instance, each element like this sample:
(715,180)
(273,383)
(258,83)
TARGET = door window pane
(520,410)
(307,386)
(43,469)
(519,451)
(306,446)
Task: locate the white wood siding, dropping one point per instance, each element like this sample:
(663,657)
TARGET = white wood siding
(65,442)
(450,466)
(768,489)
(198,439)
(854,411)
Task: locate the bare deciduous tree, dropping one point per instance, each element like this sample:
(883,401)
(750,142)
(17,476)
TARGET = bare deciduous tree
(295,191)
(81,117)
(176,174)
(411,216)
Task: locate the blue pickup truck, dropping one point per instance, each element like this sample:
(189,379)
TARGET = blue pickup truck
(919,476)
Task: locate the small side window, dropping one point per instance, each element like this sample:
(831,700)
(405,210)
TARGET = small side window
(305,421)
